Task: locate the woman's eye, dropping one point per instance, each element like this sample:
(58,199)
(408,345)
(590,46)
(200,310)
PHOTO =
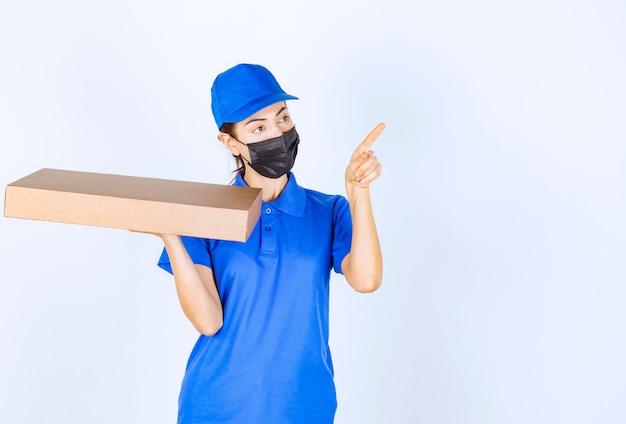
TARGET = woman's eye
(284,119)
(258,129)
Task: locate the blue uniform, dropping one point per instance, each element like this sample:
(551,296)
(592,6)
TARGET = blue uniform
(270,362)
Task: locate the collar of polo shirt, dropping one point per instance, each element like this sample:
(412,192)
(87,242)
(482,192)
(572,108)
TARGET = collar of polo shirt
(291,201)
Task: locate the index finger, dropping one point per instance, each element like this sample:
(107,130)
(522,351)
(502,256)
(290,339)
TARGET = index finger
(371,138)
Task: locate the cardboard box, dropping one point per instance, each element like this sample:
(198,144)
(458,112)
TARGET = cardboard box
(135,203)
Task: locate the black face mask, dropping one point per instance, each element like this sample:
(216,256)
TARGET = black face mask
(274,157)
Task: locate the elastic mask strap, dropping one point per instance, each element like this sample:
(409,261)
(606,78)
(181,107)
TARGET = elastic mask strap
(245,144)
(240,155)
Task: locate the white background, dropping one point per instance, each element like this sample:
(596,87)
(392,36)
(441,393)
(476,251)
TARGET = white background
(501,208)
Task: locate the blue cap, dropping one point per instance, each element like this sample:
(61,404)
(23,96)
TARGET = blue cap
(242,91)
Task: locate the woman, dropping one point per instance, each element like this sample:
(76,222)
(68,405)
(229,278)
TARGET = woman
(262,306)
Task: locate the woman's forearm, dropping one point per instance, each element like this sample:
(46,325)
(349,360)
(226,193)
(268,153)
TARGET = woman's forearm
(363,266)
(196,288)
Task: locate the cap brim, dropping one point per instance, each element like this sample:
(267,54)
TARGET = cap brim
(257,105)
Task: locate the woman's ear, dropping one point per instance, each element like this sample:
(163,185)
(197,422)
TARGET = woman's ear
(231,144)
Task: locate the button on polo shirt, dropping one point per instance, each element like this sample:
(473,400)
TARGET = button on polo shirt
(270,362)
(292,201)
(268,237)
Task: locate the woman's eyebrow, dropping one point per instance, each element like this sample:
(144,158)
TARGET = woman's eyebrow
(254,120)
(264,119)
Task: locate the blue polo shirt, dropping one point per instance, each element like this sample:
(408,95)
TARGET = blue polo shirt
(270,362)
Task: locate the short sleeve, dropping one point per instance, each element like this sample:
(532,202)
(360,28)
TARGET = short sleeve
(197,248)
(342,232)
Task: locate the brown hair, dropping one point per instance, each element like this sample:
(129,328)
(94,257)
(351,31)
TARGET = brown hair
(229,128)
